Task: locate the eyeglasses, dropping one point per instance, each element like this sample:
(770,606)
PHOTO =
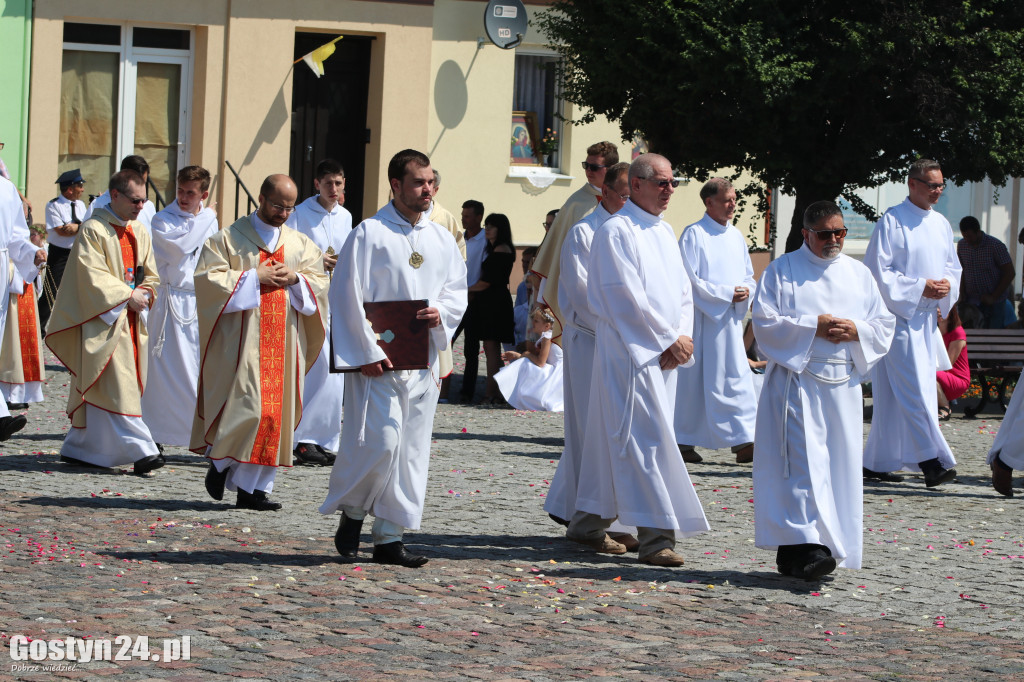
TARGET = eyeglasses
(592,167)
(931,185)
(826,235)
(663,184)
(137,202)
(546,225)
(279,207)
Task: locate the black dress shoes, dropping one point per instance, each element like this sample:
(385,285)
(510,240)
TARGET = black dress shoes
(886,476)
(346,538)
(396,554)
(1002,477)
(807,561)
(215,481)
(146,464)
(11,425)
(309,454)
(257,500)
(559,520)
(80,462)
(17,406)
(935,474)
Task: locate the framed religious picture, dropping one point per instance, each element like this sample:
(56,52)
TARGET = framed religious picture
(524,139)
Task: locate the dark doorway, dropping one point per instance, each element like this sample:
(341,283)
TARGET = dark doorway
(329,115)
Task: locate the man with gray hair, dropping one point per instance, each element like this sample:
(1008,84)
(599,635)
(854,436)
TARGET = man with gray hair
(715,400)
(639,295)
(578,348)
(912,258)
(820,343)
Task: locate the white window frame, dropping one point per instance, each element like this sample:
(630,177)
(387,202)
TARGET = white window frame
(129,58)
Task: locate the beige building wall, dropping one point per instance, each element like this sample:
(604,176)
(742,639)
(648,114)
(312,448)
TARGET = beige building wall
(473,155)
(432,87)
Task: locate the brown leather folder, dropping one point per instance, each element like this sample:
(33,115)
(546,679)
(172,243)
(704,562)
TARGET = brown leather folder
(404,338)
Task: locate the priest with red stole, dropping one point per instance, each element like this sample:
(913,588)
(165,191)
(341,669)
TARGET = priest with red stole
(97,328)
(261,294)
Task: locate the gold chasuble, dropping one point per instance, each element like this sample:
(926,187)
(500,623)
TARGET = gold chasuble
(546,264)
(21,360)
(254,362)
(107,362)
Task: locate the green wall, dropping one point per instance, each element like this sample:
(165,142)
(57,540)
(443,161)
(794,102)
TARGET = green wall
(15,55)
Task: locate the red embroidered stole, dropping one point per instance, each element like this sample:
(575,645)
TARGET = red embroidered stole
(128,249)
(28,334)
(273,327)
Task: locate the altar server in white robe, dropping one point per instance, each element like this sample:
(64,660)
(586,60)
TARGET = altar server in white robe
(15,247)
(323,219)
(1007,451)
(715,399)
(914,262)
(179,232)
(381,469)
(578,349)
(820,343)
(640,297)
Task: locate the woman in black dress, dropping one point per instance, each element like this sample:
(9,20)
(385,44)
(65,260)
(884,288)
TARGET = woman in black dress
(490,299)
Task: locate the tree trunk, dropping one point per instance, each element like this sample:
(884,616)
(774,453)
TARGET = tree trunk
(805,196)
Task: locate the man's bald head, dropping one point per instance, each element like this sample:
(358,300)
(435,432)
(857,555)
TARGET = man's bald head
(277,183)
(278,195)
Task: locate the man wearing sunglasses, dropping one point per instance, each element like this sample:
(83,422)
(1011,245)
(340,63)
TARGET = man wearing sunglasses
(640,297)
(715,401)
(820,342)
(912,258)
(599,157)
(98,329)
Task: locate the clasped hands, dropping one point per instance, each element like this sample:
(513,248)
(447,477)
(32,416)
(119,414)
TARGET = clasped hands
(936,288)
(139,300)
(679,353)
(836,329)
(274,274)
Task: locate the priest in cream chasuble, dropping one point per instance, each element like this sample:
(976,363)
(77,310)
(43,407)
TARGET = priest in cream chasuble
(261,299)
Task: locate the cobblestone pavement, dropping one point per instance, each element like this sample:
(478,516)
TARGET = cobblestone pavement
(98,555)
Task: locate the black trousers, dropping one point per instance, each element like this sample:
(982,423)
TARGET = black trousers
(56,260)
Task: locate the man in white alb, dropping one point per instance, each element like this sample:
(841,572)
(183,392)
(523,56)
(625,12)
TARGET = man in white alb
(715,400)
(1007,451)
(397,255)
(820,343)
(578,348)
(179,232)
(914,262)
(323,219)
(640,297)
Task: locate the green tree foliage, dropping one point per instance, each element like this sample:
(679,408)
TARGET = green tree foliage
(813,97)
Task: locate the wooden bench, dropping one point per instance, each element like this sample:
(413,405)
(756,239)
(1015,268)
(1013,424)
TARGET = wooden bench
(994,355)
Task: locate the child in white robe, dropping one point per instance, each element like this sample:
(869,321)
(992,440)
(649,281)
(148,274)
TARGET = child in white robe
(533,380)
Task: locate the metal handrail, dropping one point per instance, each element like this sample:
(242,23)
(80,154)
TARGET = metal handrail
(250,203)
(159,203)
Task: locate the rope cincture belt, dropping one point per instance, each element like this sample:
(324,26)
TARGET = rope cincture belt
(834,381)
